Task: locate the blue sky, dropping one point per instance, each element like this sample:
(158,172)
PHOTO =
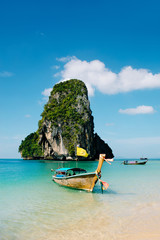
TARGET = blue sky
(113,46)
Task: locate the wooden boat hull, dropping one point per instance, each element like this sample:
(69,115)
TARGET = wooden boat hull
(84,181)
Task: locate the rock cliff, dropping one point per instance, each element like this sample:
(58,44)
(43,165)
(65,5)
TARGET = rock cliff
(66,122)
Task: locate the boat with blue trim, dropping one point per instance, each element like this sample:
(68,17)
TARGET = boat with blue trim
(79,178)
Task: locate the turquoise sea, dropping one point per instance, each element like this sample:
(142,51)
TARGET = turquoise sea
(33,207)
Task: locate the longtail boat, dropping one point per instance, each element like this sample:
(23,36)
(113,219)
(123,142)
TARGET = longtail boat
(126,162)
(79,178)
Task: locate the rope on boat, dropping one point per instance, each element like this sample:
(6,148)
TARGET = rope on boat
(104,185)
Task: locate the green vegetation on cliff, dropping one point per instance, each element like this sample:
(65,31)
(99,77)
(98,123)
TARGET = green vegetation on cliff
(29,147)
(63,103)
(67,107)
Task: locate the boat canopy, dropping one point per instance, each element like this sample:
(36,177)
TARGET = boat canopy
(62,169)
(73,169)
(69,171)
(78,169)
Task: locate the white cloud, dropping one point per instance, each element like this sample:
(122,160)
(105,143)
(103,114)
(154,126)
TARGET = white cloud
(27,116)
(66,59)
(97,76)
(55,67)
(6,74)
(138,110)
(42,34)
(47,92)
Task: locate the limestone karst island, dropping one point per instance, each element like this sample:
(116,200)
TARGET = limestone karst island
(66,122)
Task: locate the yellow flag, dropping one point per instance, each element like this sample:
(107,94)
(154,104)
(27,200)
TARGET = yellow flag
(81,152)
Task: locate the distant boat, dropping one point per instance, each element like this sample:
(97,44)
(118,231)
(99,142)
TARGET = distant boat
(143,158)
(127,162)
(79,178)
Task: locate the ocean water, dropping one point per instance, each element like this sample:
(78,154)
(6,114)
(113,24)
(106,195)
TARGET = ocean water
(33,207)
